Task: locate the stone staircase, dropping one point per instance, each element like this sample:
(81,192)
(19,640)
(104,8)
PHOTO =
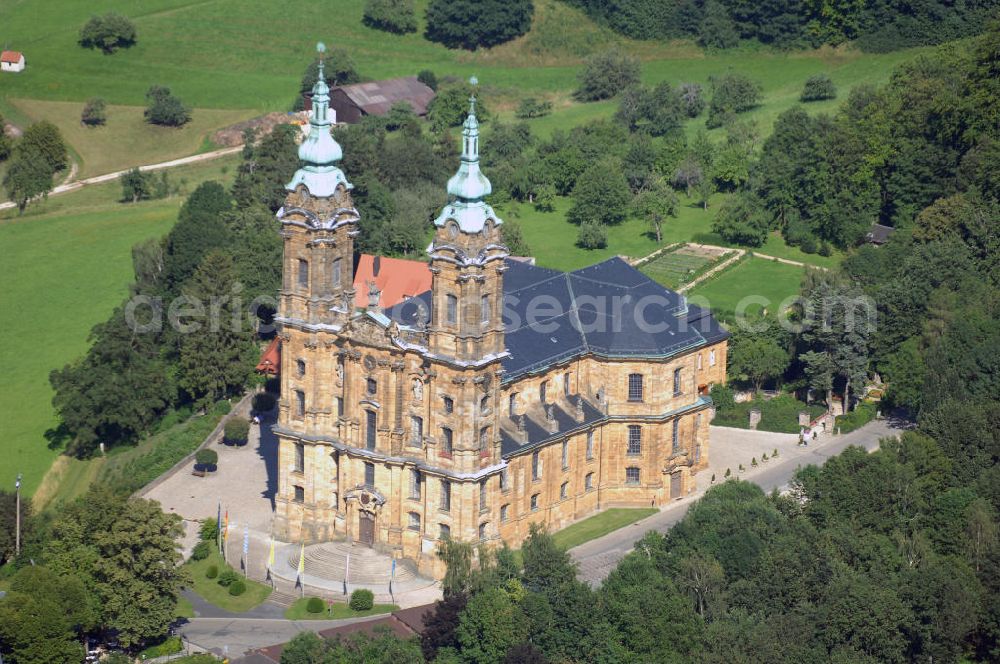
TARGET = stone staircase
(325,564)
(282,598)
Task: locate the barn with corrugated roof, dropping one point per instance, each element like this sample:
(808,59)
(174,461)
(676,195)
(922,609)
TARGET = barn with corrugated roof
(353,102)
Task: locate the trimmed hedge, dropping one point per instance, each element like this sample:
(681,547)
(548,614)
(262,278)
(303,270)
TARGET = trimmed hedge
(206,457)
(314,605)
(237,430)
(862,414)
(212,572)
(237,587)
(201,551)
(362,599)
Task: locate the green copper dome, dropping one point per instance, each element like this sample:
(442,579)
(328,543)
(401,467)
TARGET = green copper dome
(319,152)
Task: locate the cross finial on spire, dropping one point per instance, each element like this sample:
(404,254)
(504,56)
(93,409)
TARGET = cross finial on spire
(321,49)
(473,81)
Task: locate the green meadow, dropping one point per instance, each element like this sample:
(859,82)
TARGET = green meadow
(748,287)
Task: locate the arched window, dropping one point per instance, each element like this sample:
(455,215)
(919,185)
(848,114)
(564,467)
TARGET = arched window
(452,309)
(414,521)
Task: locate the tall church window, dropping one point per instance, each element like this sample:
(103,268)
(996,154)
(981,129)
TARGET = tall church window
(447,440)
(337,266)
(536,466)
(371,429)
(635,387)
(416,430)
(303,273)
(445,503)
(300,403)
(566,383)
(369,474)
(634,439)
(565,454)
(484,309)
(677,381)
(415,484)
(505,479)
(590,445)
(452,309)
(543,388)
(675,435)
(482,496)
(300,458)
(484,439)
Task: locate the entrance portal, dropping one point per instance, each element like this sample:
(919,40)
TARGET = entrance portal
(366,528)
(675,485)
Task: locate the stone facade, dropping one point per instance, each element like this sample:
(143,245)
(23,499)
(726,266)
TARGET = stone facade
(394,435)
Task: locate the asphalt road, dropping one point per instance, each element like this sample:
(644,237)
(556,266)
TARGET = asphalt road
(597,558)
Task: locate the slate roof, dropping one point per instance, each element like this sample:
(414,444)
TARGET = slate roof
(609,309)
(377,97)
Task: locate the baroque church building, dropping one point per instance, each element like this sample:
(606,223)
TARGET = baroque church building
(506,395)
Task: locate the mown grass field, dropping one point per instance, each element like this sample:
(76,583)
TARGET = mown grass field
(213,593)
(748,287)
(67,264)
(127,140)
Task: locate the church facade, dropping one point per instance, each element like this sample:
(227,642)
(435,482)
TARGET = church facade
(506,395)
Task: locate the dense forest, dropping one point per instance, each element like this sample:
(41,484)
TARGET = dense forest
(891,556)
(876,25)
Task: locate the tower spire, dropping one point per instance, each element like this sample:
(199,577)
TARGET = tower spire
(469,184)
(319,151)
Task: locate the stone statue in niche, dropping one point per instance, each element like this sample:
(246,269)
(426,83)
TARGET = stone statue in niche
(340,370)
(418,389)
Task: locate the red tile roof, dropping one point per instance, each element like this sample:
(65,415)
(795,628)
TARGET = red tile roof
(397,278)
(11,56)
(270,361)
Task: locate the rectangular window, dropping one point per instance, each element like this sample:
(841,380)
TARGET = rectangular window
(452,309)
(371,429)
(588,482)
(447,440)
(445,532)
(484,439)
(300,368)
(677,381)
(505,479)
(635,387)
(337,266)
(634,439)
(372,386)
(590,445)
(504,512)
(536,466)
(566,383)
(698,360)
(534,502)
(482,496)
(565,454)
(445,496)
(300,494)
(675,435)
(484,309)
(711,358)
(369,474)
(632,475)
(303,273)
(414,521)
(300,403)
(449,405)
(564,490)
(416,430)
(542,389)
(415,484)
(512,405)
(340,407)
(300,458)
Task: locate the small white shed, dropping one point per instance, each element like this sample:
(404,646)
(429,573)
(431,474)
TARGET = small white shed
(12,61)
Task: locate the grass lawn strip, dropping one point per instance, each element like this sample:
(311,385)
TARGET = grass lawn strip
(600,525)
(336,611)
(213,593)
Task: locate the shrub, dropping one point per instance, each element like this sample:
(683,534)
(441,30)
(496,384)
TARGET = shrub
(606,74)
(362,599)
(496,22)
(228,577)
(818,88)
(108,33)
(428,78)
(808,244)
(391,15)
(163,108)
(212,572)
(731,94)
(451,105)
(237,429)
(723,397)
(592,236)
(201,551)
(94,112)
(263,402)
(315,605)
(692,100)
(742,220)
(237,588)
(862,414)
(825,249)
(533,108)
(208,530)
(206,457)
